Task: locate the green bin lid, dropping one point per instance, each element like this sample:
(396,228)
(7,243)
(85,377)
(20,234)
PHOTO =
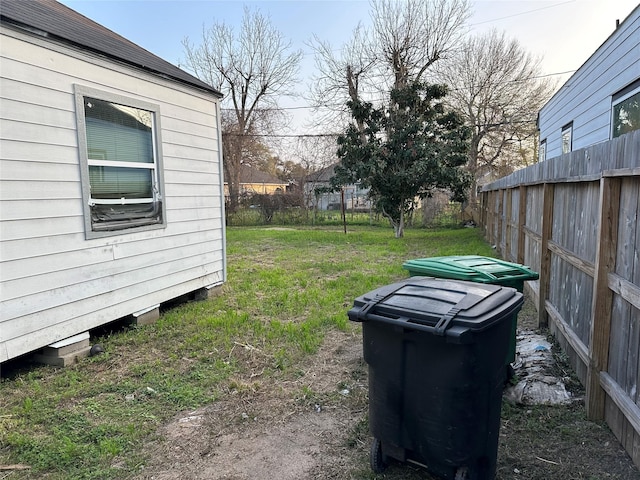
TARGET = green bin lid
(473,268)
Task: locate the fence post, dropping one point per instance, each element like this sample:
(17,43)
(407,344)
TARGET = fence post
(500,215)
(545,253)
(489,223)
(483,212)
(602,295)
(508,226)
(522,220)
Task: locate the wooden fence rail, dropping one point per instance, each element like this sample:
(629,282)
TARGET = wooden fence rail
(575,220)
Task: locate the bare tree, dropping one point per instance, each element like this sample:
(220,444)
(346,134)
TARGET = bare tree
(312,154)
(410,36)
(340,74)
(252,69)
(407,37)
(497,86)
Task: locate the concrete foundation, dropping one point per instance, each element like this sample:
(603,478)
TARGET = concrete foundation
(205,293)
(65,352)
(147,316)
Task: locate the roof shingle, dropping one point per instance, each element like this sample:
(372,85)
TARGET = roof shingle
(55,21)
(249,174)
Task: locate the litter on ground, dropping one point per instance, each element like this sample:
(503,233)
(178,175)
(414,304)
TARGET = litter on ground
(533,364)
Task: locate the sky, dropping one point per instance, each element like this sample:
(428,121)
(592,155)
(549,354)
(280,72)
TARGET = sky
(563,33)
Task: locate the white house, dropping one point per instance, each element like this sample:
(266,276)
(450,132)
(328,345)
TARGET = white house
(111,188)
(354,196)
(601,99)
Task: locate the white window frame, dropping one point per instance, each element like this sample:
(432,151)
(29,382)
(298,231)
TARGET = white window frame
(568,128)
(95,229)
(619,97)
(542,151)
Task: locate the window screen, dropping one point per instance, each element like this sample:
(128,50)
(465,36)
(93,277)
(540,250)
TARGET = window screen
(567,138)
(542,153)
(122,164)
(626,115)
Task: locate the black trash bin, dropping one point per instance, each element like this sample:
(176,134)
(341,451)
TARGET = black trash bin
(435,350)
(475,268)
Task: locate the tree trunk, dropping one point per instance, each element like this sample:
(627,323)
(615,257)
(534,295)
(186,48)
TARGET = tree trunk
(473,169)
(398,228)
(232,166)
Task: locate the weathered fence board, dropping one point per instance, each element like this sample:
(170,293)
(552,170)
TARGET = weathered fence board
(576,220)
(602,295)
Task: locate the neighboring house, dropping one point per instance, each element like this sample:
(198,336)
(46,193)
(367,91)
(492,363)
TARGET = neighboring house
(110,178)
(355,197)
(254,181)
(601,99)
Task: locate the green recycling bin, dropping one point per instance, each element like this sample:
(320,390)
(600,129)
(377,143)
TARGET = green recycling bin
(475,268)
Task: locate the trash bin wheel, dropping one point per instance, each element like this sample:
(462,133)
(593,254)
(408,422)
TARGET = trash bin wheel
(376,459)
(462,474)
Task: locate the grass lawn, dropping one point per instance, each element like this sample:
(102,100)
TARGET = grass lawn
(286,288)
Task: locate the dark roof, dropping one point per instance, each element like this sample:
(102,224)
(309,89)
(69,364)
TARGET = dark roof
(249,174)
(57,22)
(322,175)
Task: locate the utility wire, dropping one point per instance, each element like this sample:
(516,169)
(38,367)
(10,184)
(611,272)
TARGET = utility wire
(481,23)
(308,107)
(334,135)
(522,13)
(282,135)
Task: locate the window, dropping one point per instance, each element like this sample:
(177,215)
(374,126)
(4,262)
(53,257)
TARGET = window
(625,110)
(567,137)
(121,162)
(542,152)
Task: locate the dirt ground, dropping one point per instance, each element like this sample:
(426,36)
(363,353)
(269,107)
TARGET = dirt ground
(315,427)
(295,430)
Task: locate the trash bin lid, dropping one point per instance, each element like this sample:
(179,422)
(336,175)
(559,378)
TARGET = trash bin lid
(473,268)
(437,306)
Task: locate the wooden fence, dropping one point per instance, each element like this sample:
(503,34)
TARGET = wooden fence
(576,220)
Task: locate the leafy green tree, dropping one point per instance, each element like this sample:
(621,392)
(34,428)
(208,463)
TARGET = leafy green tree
(404,151)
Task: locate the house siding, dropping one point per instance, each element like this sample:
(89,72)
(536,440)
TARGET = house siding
(54,282)
(585,99)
